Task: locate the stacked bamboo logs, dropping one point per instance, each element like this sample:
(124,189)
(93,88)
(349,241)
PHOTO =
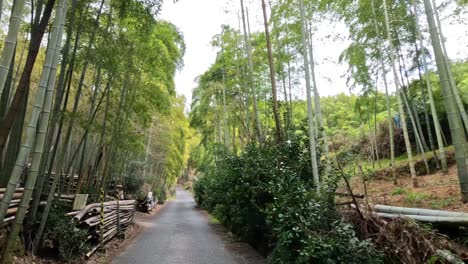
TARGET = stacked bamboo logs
(13,207)
(117,216)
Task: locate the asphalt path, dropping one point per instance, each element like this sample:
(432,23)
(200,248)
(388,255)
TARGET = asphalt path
(180,233)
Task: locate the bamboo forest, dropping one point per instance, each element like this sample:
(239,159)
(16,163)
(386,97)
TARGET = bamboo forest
(234,131)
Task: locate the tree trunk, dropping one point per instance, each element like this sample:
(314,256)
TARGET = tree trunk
(387,99)
(225,119)
(417,131)
(14,144)
(290,114)
(455,122)
(31,132)
(82,77)
(102,143)
(435,118)
(279,130)
(5,96)
(312,144)
(10,40)
(400,103)
(55,124)
(81,173)
(318,108)
(1,8)
(36,38)
(116,130)
(56,180)
(453,85)
(47,83)
(375,128)
(243,90)
(248,51)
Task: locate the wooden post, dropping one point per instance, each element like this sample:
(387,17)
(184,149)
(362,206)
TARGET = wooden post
(101,222)
(120,234)
(364,180)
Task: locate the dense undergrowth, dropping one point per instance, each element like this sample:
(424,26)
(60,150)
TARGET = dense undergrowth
(265,196)
(61,238)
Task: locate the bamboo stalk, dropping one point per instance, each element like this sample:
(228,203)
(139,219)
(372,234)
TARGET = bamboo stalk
(417,211)
(426,218)
(72,213)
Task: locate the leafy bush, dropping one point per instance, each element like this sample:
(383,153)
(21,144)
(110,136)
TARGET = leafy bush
(266,197)
(161,194)
(61,234)
(133,185)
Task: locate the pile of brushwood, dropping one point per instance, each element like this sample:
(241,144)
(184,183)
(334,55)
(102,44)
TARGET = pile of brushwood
(407,241)
(266,197)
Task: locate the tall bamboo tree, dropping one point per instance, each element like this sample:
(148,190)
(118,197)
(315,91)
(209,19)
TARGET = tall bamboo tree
(37,32)
(387,98)
(44,104)
(10,41)
(317,106)
(312,143)
(279,129)
(453,113)
(248,51)
(435,118)
(392,54)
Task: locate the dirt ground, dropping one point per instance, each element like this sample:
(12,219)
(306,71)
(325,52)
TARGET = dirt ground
(436,191)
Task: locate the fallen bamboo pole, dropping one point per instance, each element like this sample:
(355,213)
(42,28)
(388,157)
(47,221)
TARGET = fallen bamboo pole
(426,218)
(72,213)
(9,219)
(12,211)
(3,190)
(416,211)
(17,195)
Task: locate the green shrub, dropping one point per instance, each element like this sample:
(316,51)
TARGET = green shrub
(266,197)
(161,194)
(133,185)
(60,234)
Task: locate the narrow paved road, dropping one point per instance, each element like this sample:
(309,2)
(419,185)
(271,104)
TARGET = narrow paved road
(180,234)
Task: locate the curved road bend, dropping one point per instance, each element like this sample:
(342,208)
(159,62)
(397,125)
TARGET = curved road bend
(181,234)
